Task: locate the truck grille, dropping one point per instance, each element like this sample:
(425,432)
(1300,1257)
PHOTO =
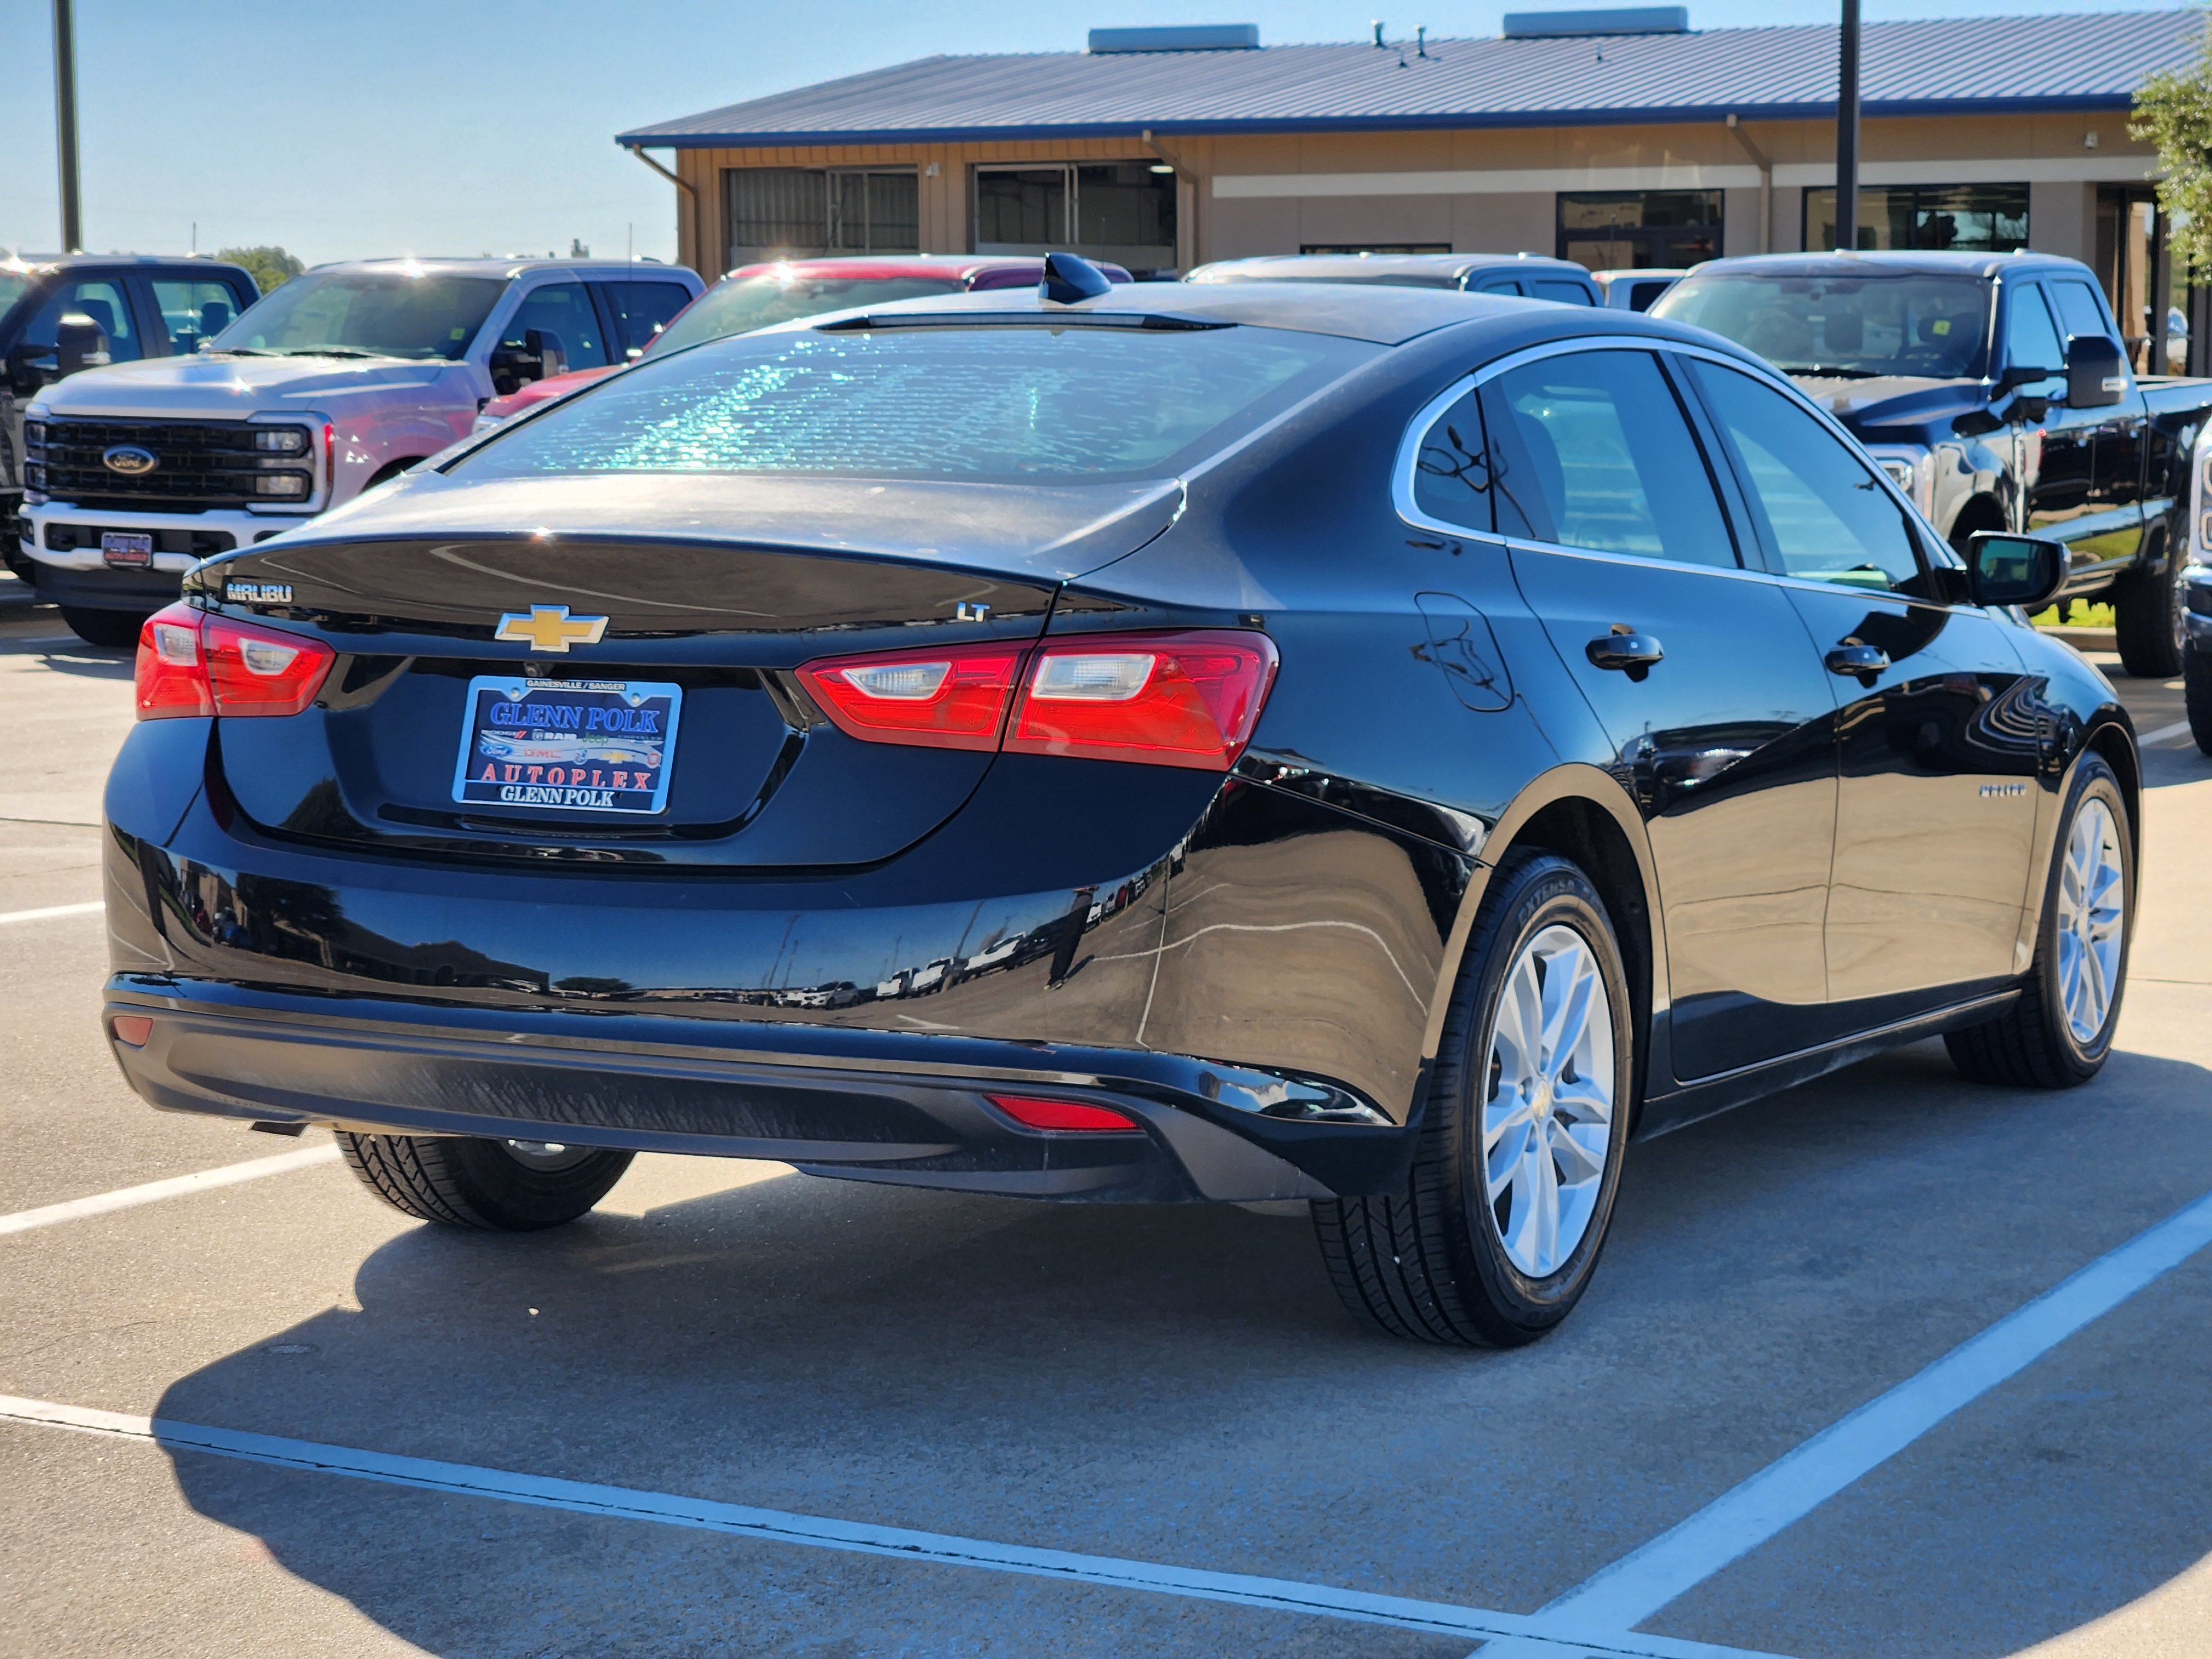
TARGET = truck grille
(200,464)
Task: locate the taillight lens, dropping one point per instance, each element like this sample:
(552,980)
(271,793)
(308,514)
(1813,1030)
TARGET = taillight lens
(1185,699)
(1061,1116)
(947,699)
(1162,699)
(192,663)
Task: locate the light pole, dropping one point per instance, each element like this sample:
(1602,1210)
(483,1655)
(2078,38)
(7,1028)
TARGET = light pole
(65,123)
(1847,129)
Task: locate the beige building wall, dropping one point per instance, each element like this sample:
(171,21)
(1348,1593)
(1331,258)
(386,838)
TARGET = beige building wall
(1494,191)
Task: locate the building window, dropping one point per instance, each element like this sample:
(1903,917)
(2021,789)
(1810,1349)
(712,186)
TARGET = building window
(795,213)
(1970,218)
(1375,247)
(1123,212)
(1640,229)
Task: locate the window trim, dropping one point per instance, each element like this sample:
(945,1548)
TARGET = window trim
(1403,469)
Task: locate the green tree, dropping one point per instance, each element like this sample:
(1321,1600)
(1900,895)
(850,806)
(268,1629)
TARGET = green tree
(2173,110)
(271,266)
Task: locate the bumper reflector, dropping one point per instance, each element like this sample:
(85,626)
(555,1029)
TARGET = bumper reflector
(133,1029)
(1032,1113)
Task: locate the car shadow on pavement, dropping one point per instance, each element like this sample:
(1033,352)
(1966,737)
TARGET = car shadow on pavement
(88,662)
(1178,1384)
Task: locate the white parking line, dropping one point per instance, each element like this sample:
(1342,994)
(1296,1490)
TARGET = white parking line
(623,1503)
(176,1187)
(2161,734)
(1617,1598)
(52,910)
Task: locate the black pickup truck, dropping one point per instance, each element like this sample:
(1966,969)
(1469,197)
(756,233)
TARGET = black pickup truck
(1993,389)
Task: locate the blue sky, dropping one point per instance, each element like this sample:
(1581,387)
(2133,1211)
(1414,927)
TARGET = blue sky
(458,126)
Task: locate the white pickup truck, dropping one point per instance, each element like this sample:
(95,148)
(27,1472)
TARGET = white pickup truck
(341,378)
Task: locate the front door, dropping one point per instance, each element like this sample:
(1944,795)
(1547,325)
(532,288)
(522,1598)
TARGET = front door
(1935,724)
(1621,546)
(2080,468)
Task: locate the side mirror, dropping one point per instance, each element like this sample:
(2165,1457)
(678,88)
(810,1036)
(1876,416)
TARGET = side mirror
(79,343)
(25,375)
(2095,376)
(2023,570)
(540,355)
(2022,374)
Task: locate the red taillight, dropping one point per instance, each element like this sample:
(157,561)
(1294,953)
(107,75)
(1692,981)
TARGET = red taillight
(1033,1113)
(1164,699)
(190,662)
(954,698)
(133,1029)
(1160,699)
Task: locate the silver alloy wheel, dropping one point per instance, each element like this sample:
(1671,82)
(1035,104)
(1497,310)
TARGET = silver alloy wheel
(2091,920)
(1547,1118)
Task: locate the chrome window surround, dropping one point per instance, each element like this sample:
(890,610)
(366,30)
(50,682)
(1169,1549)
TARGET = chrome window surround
(1425,419)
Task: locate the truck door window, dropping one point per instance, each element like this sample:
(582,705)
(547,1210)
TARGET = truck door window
(641,310)
(1560,290)
(2031,341)
(95,299)
(193,311)
(563,311)
(2078,310)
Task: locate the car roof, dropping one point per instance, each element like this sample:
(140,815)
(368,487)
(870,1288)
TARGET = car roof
(27,262)
(1372,267)
(599,270)
(1379,314)
(1905,262)
(952,267)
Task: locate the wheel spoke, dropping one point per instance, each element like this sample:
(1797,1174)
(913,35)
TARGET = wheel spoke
(1567,985)
(1583,1161)
(1586,1100)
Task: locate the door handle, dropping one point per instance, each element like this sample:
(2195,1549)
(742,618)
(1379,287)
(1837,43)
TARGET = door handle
(1626,649)
(1857,658)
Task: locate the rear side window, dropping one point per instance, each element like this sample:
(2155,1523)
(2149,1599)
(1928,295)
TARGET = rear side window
(2030,340)
(1006,402)
(1451,471)
(1820,507)
(641,310)
(1500,285)
(1558,288)
(1592,450)
(192,310)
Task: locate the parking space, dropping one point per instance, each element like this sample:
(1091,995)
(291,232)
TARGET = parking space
(1109,1430)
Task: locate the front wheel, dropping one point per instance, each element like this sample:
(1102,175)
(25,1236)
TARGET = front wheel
(500,1185)
(1498,1230)
(104,627)
(2060,1030)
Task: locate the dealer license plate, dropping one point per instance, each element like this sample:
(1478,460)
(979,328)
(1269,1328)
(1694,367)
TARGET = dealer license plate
(120,547)
(566,745)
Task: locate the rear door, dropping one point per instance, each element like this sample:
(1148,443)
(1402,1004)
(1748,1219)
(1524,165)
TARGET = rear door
(1937,738)
(1620,543)
(641,310)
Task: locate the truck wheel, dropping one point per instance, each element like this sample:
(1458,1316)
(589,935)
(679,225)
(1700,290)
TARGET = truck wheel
(2148,610)
(2197,687)
(104,627)
(2058,1033)
(1497,1231)
(500,1186)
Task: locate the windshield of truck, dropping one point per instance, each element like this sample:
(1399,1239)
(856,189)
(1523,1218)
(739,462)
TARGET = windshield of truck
(1852,327)
(993,404)
(367,314)
(745,303)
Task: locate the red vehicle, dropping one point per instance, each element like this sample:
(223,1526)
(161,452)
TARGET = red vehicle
(754,296)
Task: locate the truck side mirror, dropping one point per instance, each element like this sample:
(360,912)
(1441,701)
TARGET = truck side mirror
(25,374)
(2095,377)
(540,355)
(2023,570)
(79,343)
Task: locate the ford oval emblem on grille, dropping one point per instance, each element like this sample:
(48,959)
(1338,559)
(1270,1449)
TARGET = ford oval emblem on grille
(130,460)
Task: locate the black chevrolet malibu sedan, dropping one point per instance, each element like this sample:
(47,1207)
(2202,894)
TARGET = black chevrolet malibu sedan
(1382,748)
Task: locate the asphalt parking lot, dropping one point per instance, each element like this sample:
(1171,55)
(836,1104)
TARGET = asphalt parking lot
(740,1410)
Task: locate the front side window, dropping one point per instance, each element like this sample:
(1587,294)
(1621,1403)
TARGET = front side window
(562,316)
(193,311)
(985,404)
(2079,313)
(98,301)
(2031,342)
(1819,506)
(1592,450)
(1853,327)
(360,313)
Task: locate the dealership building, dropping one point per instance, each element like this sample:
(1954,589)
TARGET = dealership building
(1616,137)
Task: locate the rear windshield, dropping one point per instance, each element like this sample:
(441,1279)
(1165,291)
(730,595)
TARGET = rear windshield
(367,314)
(1852,327)
(1086,404)
(740,305)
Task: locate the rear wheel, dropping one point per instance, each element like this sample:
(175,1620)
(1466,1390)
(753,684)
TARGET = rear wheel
(2060,1030)
(104,627)
(2148,625)
(1495,1236)
(501,1186)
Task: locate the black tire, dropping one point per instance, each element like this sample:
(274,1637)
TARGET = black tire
(488,1184)
(1429,1263)
(2197,694)
(110,628)
(2147,612)
(2032,1045)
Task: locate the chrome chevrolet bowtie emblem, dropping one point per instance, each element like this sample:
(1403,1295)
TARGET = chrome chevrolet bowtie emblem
(549,627)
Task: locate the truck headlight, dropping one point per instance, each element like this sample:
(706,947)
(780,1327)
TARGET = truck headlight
(34,434)
(290,486)
(281,439)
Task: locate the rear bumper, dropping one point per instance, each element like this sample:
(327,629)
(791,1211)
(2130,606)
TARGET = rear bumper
(867,1105)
